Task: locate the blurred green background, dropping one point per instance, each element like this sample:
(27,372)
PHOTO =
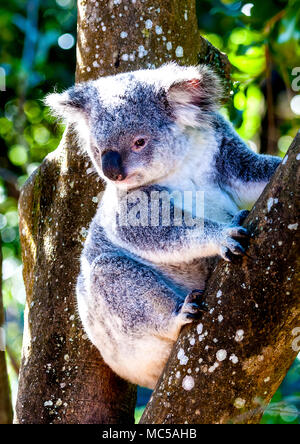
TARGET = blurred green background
(37,54)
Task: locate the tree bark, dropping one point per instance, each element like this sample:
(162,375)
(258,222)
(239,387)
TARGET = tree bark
(63,378)
(227,367)
(5,402)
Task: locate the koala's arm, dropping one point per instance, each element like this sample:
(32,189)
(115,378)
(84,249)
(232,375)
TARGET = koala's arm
(242,172)
(183,243)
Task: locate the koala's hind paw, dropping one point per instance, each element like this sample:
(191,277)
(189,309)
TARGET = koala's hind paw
(193,306)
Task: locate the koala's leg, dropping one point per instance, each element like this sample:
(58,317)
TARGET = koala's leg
(133,316)
(140,297)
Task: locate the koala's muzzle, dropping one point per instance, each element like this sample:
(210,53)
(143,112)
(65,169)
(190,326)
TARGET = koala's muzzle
(112,166)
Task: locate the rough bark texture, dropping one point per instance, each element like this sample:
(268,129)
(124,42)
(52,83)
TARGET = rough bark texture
(124,35)
(239,353)
(63,378)
(5,403)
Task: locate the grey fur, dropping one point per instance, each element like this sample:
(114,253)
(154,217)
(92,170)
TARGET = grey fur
(134,281)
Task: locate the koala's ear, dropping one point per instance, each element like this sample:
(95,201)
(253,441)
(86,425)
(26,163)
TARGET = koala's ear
(69,105)
(194,92)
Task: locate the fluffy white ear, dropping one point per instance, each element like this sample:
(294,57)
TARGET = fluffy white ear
(69,105)
(193,92)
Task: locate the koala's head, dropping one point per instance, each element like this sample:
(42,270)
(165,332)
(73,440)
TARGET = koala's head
(134,125)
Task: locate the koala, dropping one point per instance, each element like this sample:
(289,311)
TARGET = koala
(151,134)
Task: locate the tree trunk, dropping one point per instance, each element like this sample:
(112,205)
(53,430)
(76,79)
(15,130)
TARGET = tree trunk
(63,378)
(5,403)
(236,357)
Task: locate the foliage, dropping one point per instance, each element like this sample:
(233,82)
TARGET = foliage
(261,39)
(38,54)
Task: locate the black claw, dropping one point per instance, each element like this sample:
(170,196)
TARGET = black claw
(197,292)
(197,315)
(243,241)
(203,307)
(195,299)
(242,232)
(230,257)
(239,250)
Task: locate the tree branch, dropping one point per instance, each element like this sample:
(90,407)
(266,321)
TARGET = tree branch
(239,353)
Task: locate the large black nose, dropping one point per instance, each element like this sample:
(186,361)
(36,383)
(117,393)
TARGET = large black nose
(112,165)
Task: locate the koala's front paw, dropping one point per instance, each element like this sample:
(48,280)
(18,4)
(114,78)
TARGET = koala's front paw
(234,242)
(193,306)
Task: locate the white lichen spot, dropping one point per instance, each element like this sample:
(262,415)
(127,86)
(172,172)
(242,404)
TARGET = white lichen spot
(188,383)
(158,30)
(192,341)
(213,367)
(123,34)
(180,354)
(239,403)
(270,203)
(221,355)
(48,403)
(234,359)
(285,160)
(142,51)
(219,294)
(148,24)
(95,199)
(125,57)
(177,374)
(267,379)
(199,328)
(84,232)
(179,51)
(220,318)
(298,157)
(58,403)
(293,226)
(182,357)
(66,357)
(186,16)
(239,336)
(169,46)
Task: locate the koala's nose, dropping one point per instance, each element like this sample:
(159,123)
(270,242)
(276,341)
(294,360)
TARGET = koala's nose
(112,165)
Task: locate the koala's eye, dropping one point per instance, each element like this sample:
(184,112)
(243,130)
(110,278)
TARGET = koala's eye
(139,143)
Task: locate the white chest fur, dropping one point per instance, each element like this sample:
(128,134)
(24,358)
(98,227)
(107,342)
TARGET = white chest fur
(197,175)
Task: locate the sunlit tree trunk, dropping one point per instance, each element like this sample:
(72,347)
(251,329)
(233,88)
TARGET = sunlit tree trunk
(63,378)
(5,403)
(239,353)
